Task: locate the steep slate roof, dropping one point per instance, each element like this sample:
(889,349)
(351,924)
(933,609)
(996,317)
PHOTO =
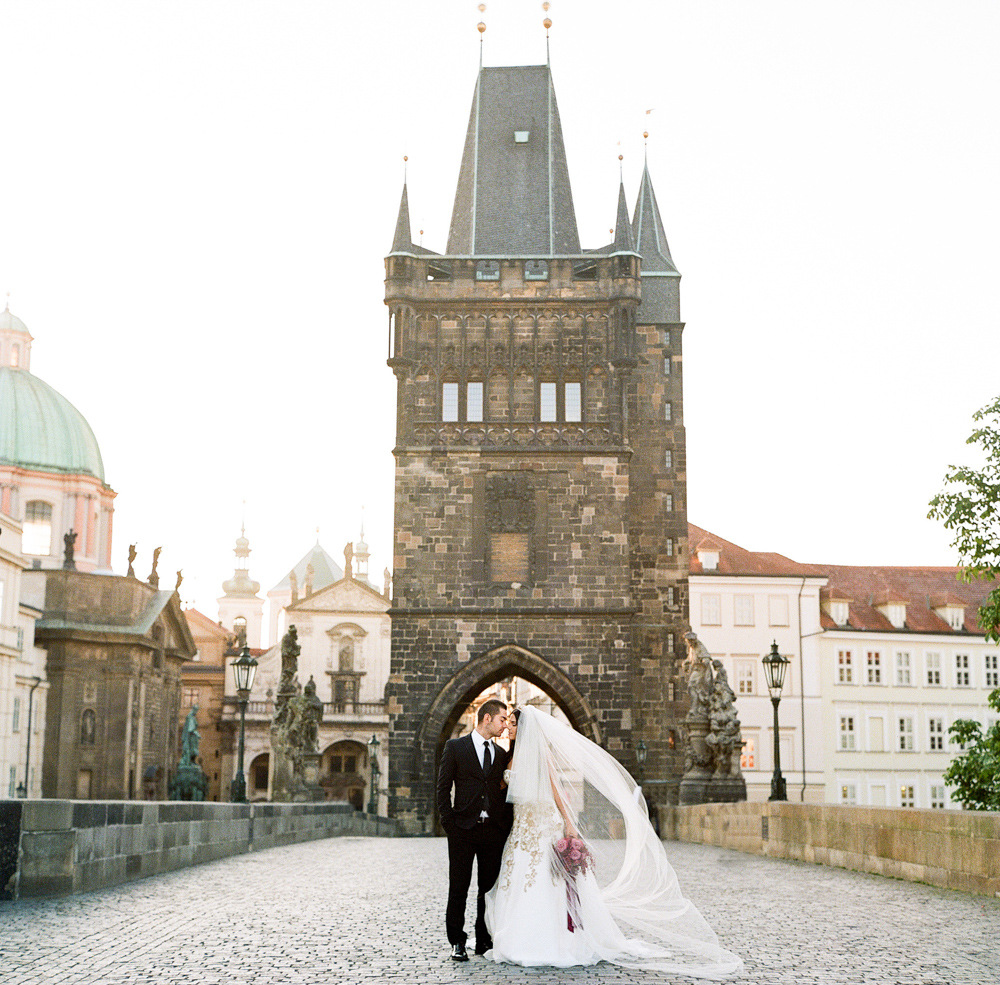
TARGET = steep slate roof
(736,560)
(866,587)
(512,198)
(325,571)
(647,230)
(624,242)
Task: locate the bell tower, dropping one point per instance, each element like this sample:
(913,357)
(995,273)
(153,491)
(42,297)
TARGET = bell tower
(540,508)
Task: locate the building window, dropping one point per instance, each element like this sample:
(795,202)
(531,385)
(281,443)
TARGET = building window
(847,732)
(666,336)
(845,667)
(670,595)
(935,729)
(15,721)
(449,401)
(547,402)
(906,796)
(903,676)
(344,764)
(962,678)
(905,734)
(666,365)
(668,502)
(37,536)
(777,610)
(991,678)
(743,610)
(536,270)
(748,755)
(15,355)
(12,788)
(938,797)
(671,691)
(933,669)
(711,610)
(573,402)
(474,401)
(849,794)
(874,667)
(670,546)
(670,642)
(190,697)
(88,727)
(745,673)
(487,270)
(668,410)
(240,629)
(668,459)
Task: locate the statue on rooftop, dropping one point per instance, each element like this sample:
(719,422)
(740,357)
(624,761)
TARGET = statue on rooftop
(154,578)
(69,542)
(348,560)
(131,560)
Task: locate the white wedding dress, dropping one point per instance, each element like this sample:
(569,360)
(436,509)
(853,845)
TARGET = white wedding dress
(628,907)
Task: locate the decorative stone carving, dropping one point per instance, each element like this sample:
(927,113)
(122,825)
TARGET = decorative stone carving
(69,542)
(154,579)
(131,560)
(510,503)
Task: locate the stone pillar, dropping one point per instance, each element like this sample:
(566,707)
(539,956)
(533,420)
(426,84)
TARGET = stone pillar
(697,763)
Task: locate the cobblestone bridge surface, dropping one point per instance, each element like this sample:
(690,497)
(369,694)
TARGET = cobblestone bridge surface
(362,910)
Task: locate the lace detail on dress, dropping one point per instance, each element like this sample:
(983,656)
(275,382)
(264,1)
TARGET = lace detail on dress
(536,827)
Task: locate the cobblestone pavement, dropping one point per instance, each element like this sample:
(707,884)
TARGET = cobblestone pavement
(365,910)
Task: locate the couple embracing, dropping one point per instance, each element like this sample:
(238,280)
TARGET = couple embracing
(570,871)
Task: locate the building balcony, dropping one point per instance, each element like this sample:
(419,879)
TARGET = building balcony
(334,712)
(508,435)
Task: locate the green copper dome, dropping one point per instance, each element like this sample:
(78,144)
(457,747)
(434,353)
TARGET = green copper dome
(41,430)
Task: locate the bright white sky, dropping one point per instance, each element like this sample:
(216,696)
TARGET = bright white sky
(196,200)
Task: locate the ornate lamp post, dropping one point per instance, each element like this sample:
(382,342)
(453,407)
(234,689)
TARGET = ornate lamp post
(775,666)
(244,670)
(640,757)
(373,745)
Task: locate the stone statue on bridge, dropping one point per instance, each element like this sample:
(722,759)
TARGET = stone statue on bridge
(190,781)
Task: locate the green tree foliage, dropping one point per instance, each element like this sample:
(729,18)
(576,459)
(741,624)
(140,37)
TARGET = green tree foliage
(970,508)
(975,774)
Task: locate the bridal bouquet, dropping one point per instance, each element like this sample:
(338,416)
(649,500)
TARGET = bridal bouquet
(571,858)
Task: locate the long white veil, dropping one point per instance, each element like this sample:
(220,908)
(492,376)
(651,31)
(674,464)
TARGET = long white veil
(637,882)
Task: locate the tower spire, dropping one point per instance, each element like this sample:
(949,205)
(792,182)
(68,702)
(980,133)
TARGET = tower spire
(647,229)
(402,241)
(624,242)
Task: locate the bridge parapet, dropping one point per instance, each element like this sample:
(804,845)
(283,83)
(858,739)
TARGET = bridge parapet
(951,849)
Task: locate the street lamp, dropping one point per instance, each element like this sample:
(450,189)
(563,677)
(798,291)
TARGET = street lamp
(244,670)
(373,745)
(775,666)
(640,757)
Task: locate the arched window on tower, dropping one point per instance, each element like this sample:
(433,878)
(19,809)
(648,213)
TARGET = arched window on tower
(88,727)
(15,355)
(37,536)
(240,629)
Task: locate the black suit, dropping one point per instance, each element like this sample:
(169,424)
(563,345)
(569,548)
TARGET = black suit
(468,837)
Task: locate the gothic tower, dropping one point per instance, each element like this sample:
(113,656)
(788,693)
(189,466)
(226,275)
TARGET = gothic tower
(540,527)
(241,608)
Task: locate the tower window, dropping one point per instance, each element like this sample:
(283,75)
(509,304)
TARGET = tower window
(521,136)
(668,459)
(536,270)
(573,402)
(547,402)
(474,401)
(488,270)
(449,402)
(15,355)
(668,411)
(37,537)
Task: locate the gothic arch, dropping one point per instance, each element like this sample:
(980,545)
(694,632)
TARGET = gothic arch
(507,660)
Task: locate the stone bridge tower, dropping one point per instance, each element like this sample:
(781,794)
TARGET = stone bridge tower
(541,524)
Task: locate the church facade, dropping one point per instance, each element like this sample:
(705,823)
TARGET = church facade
(540,499)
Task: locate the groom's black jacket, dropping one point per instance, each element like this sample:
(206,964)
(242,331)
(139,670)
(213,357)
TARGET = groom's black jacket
(475,791)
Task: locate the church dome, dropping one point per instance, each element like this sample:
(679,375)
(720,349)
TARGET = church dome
(11,323)
(39,428)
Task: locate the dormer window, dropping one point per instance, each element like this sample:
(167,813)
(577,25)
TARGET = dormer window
(895,612)
(709,560)
(954,616)
(536,270)
(488,270)
(838,611)
(521,136)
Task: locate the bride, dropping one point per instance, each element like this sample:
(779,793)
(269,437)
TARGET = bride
(584,878)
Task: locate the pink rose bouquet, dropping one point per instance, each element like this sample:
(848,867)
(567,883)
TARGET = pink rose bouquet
(571,858)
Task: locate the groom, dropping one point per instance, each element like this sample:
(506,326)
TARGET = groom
(477,823)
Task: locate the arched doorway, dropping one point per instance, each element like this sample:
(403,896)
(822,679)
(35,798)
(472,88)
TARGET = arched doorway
(500,667)
(344,771)
(257,777)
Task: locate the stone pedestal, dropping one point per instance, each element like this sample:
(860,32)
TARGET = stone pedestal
(697,777)
(189,783)
(282,772)
(310,790)
(725,790)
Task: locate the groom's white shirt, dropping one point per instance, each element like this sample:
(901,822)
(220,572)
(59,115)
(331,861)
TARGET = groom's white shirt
(480,744)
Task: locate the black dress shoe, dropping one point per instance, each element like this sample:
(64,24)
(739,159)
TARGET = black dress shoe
(485,947)
(459,953)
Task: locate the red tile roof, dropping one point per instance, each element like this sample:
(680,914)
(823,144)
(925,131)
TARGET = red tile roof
(920,588)
(736,560)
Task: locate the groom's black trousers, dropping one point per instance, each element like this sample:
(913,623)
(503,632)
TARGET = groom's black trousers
(484,843)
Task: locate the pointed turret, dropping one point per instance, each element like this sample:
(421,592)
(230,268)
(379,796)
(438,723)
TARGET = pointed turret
(402,241)
(647,229)
(624,243)
(513,194)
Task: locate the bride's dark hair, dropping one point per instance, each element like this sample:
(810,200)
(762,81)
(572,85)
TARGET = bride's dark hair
(516,715)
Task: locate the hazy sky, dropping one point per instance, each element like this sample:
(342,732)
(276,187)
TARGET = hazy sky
(196,199)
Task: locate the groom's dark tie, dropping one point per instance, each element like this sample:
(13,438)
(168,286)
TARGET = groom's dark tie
(487,759)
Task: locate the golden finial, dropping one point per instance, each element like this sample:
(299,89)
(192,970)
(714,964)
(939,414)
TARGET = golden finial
(546,5)
(480,27)
(547,23)
(645,135)
(482,8)
(621,157)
